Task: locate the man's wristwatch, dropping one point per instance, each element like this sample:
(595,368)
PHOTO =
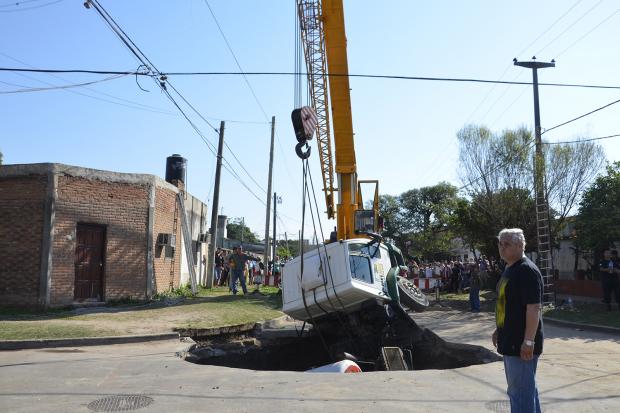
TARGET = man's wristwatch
(528,343)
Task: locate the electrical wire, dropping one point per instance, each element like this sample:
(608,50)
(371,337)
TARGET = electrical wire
(519,54)
(585,35)
(246,171)
(162,82)
(581,140)
(582,116)
(129,103)
(247,82)
(368,76)
(550,27)
(570,26)
(17,3)
(45,89)
(509,106)
(27,8)
(13,84)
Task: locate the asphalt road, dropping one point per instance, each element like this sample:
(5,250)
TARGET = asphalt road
(579,372)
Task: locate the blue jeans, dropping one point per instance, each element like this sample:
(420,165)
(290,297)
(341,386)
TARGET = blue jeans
(521,379)
(233,282)
(474,299)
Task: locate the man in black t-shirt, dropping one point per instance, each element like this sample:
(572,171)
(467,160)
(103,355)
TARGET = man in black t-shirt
(519,333)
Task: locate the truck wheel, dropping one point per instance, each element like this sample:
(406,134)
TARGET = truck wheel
(411,296)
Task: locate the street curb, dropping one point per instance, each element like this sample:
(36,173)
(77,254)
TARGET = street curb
(592,327)
(86,341)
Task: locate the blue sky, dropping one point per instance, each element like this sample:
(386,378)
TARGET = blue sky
(405,131)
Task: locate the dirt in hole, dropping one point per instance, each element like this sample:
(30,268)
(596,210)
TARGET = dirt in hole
(353,337)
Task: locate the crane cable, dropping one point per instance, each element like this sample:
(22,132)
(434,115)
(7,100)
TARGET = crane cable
(301,273)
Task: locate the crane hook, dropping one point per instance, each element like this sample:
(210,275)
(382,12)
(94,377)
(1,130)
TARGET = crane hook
(299,151)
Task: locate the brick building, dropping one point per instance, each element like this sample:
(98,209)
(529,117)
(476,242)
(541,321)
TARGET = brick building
(71,234)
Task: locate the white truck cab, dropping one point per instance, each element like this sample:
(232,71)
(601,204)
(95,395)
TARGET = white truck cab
(336,277)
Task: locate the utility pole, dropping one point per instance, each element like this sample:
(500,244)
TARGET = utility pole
(286,240)
(545,257)
(266,251)
(242,229)
(275,208)
(214,208)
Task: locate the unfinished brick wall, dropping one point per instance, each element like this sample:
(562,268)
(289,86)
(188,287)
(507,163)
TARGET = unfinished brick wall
(164,275)
(22,206)
(123,210)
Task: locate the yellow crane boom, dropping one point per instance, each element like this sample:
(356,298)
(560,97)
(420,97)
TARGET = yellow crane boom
(325,49)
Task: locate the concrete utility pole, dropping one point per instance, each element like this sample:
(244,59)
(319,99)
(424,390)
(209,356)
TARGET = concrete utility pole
(267,212)
(275,207)
(545,257)
(286,240)
(214,208)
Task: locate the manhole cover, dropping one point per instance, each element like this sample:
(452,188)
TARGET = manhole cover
(498,406)
(119,403)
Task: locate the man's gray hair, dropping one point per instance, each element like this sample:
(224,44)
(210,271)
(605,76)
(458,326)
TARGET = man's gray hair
(513,234)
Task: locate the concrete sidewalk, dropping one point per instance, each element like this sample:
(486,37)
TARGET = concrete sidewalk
(579,372)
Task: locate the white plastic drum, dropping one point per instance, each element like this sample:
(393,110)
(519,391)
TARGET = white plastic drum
(344,366)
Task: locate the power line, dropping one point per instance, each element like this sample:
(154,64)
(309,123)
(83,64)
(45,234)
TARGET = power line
(589,31)
(550,27)
(43,89)
(515,78)
(570,26)
(162,82)
(26,8)
(247,82)
(369,76)
(581,140)
(137,105)
(17,3)
(582,116)
(243,167)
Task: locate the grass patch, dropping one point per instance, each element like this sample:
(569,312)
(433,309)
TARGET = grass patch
(210,308)
(460,301)
(32,330)
(586,314)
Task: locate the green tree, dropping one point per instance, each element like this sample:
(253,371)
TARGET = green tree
(478,221)
(1,156)
(598,221)
(235,228)
(496,168)
(424,220)
(394,224)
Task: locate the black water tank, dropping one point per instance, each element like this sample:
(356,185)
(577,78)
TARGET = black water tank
(175,168)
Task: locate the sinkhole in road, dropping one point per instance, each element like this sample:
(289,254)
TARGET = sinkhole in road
(285,350)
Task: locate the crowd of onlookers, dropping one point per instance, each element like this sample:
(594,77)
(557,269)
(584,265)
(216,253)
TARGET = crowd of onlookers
(457,276)
(238,267)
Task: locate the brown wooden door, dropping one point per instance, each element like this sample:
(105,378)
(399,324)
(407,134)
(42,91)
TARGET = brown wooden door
(89,262)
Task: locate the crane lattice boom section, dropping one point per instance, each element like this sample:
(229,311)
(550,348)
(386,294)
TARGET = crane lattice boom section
(309,12)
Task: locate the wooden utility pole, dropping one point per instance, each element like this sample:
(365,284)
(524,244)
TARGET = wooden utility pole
(266,251)
(214,208)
